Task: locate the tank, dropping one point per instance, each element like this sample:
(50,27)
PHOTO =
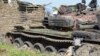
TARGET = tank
(68,18)
(57,33)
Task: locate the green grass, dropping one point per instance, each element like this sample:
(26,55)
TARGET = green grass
(8,50)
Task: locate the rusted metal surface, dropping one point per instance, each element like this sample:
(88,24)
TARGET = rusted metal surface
(83,18)
(86,16)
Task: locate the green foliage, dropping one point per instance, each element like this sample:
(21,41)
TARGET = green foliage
(8,50)
(11,51)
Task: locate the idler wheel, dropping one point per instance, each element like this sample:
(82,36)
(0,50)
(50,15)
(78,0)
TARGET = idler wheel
(18,42)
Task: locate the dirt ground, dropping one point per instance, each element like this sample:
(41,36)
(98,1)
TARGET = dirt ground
(89,50)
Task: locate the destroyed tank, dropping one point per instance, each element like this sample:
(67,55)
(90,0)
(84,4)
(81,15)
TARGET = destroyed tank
(68,18)
(52,36)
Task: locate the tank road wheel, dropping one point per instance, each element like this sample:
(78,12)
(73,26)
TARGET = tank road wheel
(50,49)
(62,51)
(28,45)
(18,42)
(39,47)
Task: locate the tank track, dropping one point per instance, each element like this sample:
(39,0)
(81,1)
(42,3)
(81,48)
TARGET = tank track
(43,37)
(87,36)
